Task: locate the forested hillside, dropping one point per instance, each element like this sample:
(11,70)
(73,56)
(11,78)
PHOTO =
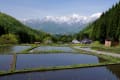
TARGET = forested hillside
(106,27)
(12,28)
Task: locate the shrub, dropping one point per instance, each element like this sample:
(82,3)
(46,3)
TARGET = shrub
(96,43)
(8,39)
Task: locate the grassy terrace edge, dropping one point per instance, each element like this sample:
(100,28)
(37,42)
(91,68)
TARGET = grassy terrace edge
(58,68)
(107,49)
(47,52)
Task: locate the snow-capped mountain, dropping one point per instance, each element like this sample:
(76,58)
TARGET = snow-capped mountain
(61,24)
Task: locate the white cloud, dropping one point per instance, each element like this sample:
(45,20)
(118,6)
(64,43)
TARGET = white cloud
(69,19)
(75,18)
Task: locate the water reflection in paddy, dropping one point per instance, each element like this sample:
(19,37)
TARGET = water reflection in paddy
(5,62)
(12,49)
(50,48)
(95,73)
(57,59)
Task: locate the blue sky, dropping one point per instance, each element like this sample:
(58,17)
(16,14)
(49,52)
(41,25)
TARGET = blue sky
(22,9)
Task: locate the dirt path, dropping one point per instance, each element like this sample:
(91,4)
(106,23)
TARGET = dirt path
(98,52)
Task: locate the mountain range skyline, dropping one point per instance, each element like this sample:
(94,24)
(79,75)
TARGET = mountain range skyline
(62,24)
(74,18)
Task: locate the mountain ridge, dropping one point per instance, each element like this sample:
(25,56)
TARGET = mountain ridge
(61,24)
(10,25)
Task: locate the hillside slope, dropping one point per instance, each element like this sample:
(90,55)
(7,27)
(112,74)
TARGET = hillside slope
(25,34)
(106,27)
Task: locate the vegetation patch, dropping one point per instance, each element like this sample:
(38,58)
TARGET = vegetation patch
(81,45)
(107,49)
(59,68)
(106,57)
(49,51)
(106,27)
(29,49)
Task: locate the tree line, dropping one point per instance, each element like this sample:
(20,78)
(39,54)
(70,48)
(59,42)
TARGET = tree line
(107,27)
(12,29)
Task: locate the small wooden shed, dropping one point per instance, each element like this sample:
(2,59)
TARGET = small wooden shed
(108,43)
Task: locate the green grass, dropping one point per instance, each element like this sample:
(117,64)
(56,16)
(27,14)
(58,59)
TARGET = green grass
(1,72)
(59,68)
(81,45)
(6,45)
(32,47)
(107,49)
(49,51)
(53,44)
(106,57)
(101,47)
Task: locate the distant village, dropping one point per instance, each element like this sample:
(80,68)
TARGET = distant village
(84,41)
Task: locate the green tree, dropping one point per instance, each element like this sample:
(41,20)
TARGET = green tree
(106,27)
(8,39)
(25,34)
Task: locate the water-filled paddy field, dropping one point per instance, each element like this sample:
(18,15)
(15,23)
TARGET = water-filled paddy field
(52,48)
(67,57)
(24,61)
(12,49)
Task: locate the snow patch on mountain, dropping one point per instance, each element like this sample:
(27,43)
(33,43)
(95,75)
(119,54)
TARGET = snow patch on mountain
(61,24)
(70,19)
